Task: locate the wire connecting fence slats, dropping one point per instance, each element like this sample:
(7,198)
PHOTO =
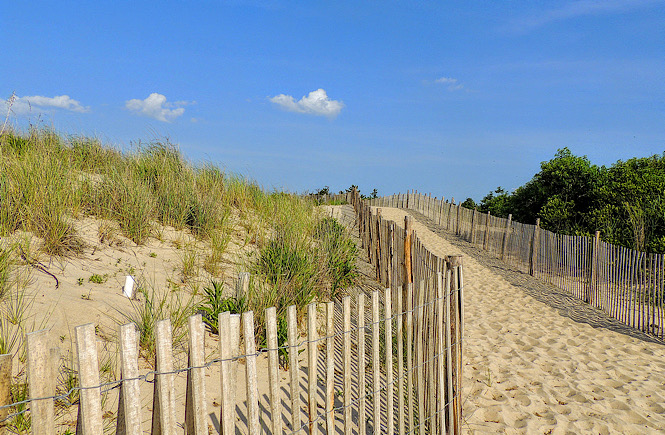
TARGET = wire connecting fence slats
(391,364)
(626,284)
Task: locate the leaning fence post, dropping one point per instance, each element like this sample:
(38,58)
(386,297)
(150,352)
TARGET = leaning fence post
(129,404)
(195,400)
(90,404)
(5,383)
(534,248)
(163,411)
(504,245)
(40,382)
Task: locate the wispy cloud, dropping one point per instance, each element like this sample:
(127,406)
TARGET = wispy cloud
(315,103)
(450,83)
(38,103)
(156,106)
(577,9)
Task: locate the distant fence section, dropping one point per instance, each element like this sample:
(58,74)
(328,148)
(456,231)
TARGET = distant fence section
(382,362)
(626,284)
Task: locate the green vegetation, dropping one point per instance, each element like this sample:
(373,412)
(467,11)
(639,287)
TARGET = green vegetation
(98,279)
(295,256)
(158,305)
(625,201)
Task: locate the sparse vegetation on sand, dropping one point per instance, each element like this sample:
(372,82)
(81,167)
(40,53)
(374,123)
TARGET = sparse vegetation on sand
(50,182)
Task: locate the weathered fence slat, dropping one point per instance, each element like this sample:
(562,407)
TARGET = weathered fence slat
(195,401)
(273,370)
(129,403)
(361,363)
(41,382)
(311,366)
(90,405)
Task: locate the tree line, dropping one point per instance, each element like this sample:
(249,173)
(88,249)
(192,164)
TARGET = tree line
(570,195)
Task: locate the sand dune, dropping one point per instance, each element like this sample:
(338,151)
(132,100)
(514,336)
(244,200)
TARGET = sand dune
(531,366)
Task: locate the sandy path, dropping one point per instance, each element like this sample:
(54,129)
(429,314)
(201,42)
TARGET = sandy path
(533,362)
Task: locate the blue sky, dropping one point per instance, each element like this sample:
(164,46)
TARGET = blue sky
(453,98)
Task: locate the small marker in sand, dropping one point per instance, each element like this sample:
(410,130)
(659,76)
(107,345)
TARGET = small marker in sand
(128,289)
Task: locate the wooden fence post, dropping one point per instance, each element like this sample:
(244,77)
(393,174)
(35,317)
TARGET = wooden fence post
(195,399)
(362,427)
(376,365)
(408,232)
(330,368)
(593,276)
(163,411)
(389,254)
(389,362)
(41,382)
(227,415)
(457,327)
(379,268)
(273,370)
(457,227)
(312,359)
(506,233)
(441,210)
(472,238)
(90,401)
(533,258)
(129,403)
(5,384)
(346,367)
(487,231)
(251,376)
(294,366)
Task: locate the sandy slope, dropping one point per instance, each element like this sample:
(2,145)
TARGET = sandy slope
(530,368)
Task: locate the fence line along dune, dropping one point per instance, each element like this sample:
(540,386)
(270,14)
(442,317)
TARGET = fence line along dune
(390,362)
(536,358)
(627,285)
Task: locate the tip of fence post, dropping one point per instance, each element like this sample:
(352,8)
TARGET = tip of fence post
(454,261)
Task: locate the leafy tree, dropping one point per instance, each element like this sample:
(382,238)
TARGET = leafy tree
(632,203)
(573,181)
(497,203)
(469,203)
(324,191)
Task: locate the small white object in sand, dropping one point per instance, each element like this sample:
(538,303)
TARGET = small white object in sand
(128,289)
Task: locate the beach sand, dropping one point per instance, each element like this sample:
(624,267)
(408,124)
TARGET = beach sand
(534,362)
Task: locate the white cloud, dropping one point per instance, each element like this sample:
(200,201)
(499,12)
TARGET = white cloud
(451,83)
(156,106)
(315,103)
(36,103)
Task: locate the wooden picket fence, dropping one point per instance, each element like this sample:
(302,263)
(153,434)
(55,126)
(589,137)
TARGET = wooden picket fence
(627,285)
(392,365)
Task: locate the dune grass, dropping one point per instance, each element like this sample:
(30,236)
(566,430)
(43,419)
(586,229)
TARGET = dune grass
(48,180)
